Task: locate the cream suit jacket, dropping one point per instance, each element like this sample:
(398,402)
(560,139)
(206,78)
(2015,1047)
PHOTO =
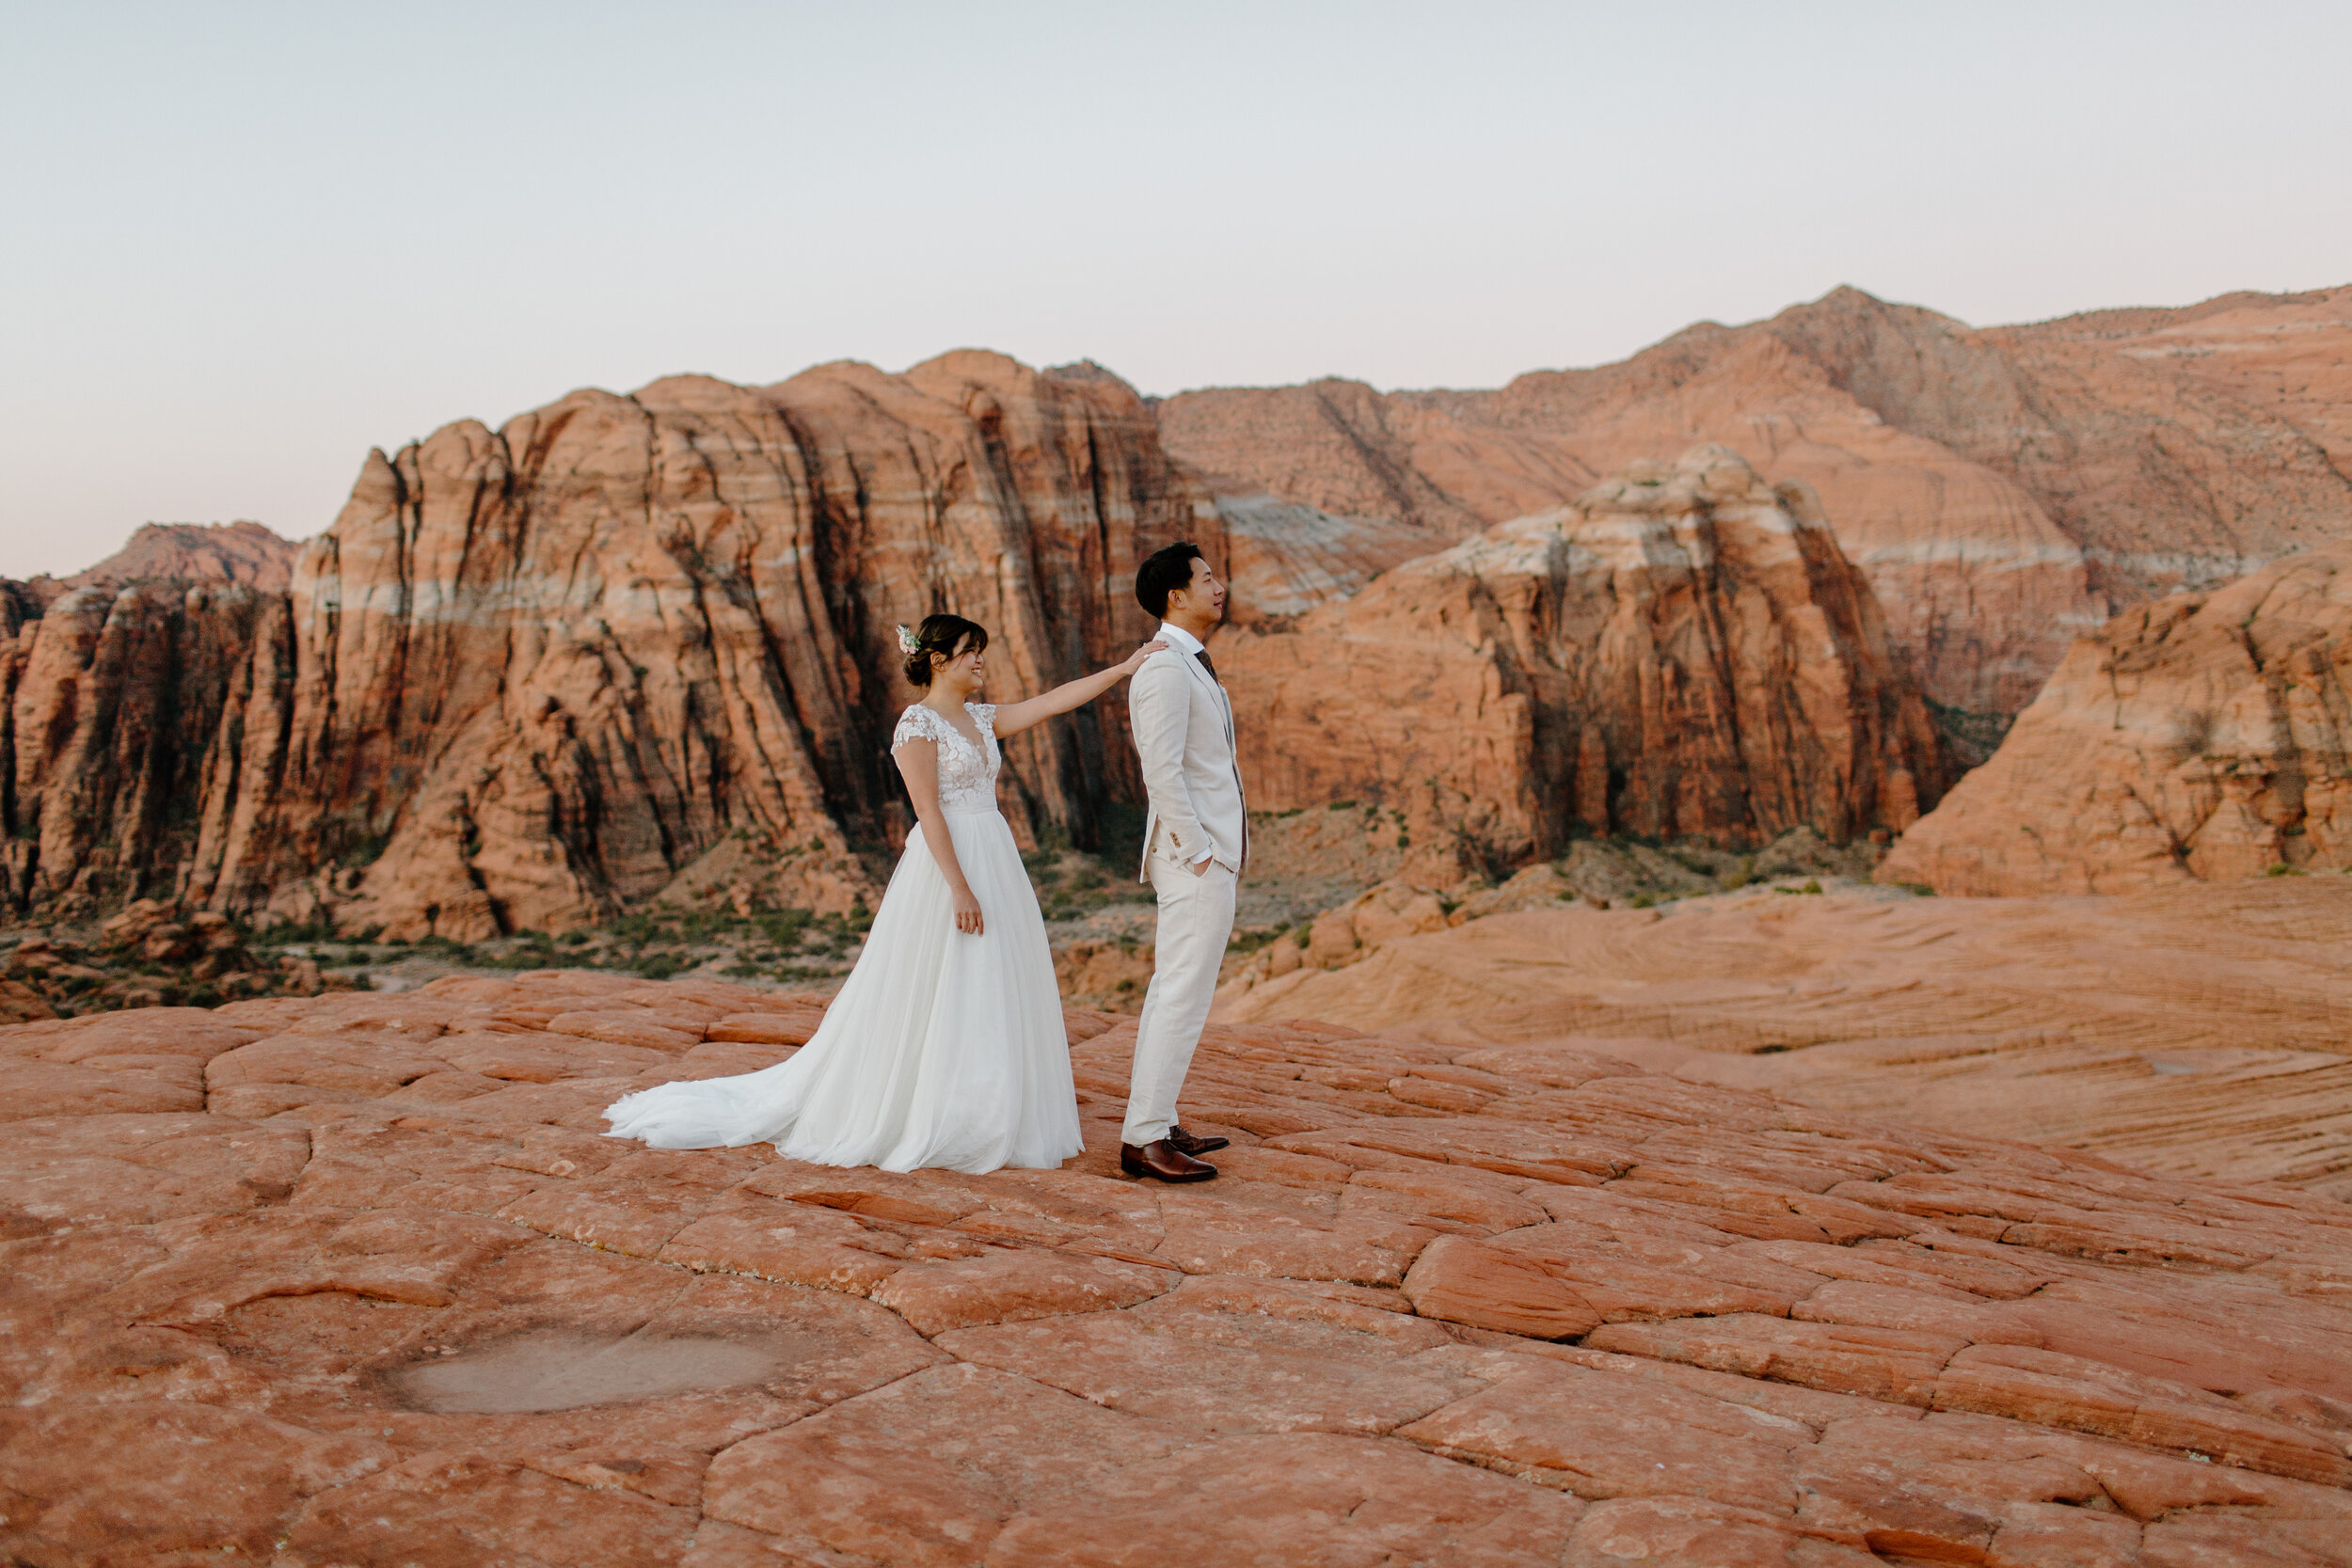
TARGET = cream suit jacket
(1183,726)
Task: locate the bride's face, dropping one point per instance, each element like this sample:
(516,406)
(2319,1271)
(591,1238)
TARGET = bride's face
(964,671)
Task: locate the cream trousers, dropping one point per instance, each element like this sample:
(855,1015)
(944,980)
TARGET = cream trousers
(1195,920)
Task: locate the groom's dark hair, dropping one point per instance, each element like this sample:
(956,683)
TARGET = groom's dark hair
(1163,572)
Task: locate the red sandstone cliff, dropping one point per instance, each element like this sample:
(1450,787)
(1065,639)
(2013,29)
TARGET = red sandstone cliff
(119,703)
(2002,489)
(2200,735)
(1682,653)
(531,674)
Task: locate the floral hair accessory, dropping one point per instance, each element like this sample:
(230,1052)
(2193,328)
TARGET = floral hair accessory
(907,643)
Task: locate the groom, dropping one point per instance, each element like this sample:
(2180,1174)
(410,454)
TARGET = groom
(1195,844)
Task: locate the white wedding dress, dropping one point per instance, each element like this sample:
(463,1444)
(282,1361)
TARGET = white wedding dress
(942,1048)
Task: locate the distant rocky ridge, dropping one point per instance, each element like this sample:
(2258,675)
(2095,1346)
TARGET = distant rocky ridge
(187,554)
(536,677)
(2203,736)
(2004,489)
(531,675)
(196,552)
(1681,653)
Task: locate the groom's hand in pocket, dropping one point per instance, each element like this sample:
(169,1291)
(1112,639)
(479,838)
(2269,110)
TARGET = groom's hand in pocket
(967,913)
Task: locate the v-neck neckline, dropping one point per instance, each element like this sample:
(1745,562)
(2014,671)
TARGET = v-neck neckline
(979,745)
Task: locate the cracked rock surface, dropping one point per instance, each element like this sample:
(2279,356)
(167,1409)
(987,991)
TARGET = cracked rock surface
(353,1280)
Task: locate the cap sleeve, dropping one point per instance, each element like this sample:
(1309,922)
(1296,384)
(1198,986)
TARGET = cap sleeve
(916,723)
(984,715)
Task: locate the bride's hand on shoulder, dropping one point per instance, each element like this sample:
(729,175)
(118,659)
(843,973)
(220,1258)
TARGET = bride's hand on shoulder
(1135,660)
(968,913)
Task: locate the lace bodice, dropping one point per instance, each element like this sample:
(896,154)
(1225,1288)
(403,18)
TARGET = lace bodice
(967,776)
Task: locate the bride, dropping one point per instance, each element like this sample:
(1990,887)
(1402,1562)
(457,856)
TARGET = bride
(945,1045)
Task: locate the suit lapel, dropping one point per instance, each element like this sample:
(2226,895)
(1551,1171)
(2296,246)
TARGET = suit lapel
(1233,749)
(1192,663)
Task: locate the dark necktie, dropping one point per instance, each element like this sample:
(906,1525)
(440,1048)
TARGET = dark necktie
(1207,663)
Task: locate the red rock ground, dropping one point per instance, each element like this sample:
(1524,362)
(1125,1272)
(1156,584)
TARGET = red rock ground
(2196,1032)
(353,1280)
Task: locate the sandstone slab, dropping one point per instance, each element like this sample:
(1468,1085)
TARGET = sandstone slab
(2199,1029)
(378,1327)
(1458,1280)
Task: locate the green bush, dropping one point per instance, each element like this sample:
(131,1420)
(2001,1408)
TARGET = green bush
(785,928)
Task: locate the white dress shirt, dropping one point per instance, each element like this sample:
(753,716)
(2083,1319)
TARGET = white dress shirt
(1192,647)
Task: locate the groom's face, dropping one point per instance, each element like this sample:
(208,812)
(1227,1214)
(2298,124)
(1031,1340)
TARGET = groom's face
(1203,592)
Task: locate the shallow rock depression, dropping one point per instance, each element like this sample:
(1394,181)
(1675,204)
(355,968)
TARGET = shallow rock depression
(353,1280)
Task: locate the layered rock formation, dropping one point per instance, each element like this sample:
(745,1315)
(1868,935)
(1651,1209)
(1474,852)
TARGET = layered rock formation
(2198,1031)
(2202,736)
(1682,653)
(2003,489)
(629,644)
(532,675)
(355,1281)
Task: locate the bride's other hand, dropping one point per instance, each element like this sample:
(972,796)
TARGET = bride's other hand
(1135,660)
(968,913)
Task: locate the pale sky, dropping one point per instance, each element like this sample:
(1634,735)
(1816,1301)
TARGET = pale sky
(242,244)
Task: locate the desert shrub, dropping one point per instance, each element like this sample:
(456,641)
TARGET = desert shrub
(785,926)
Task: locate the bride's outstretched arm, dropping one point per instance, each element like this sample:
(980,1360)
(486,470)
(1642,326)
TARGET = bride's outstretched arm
(918,763)
(1013,717)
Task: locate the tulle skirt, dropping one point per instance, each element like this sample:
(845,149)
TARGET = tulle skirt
(941,1050)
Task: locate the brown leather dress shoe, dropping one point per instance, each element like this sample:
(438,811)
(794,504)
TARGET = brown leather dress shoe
(1164,1160)
(1188,1143)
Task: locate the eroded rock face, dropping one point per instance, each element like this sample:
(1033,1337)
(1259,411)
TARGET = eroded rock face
(2204,736)
(126,715)
(531,675)
(1684,653)
(359,1282)
(2002,489)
